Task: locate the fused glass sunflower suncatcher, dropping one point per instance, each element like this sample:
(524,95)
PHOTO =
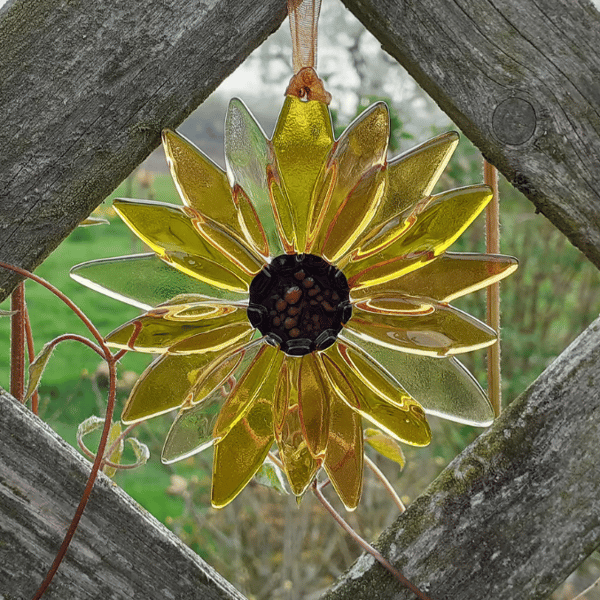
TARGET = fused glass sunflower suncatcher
(304,289)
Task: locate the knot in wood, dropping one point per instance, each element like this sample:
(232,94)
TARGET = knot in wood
(514,121)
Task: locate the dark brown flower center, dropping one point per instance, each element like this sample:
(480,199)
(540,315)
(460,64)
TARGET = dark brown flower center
(300,303)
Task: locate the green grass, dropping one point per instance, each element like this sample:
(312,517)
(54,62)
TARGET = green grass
(50,317)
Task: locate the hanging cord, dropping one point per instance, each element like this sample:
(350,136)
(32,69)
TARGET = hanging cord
(304,17)
(492,223)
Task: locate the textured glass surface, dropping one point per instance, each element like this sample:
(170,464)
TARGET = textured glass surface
(384,445)
(280,399)
(412,176)
(241,452)
(448,277)
(183,327)
(442,386)
(351,184)
(372,392)
(344,458)
(302,140)
(259,381)
(313,402)
(193,429)
(143,280)
(435,329)
(166,384)
(204,186)
(431,231)
(299,464)
(174,233)
(252,166)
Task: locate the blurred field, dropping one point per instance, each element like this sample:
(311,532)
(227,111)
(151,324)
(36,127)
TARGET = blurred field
(263,543)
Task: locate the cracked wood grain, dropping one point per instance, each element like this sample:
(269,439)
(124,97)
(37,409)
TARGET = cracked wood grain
(520,78)
(85,89)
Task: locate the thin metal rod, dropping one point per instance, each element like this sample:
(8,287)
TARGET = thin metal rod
(35,397)
(17,343)
(90,482)
(112,364)
(492,221)
(384,480)
(365,545)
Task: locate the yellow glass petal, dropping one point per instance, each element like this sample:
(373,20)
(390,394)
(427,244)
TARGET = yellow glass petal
(351,184)
(204,186)
(282,210)
(299,464)
(251,224)
(193,429)
(313,402)
(144,280)
(174,379)
(428,235)
(225,243)
(239,455)
(235,359)
(372,392)
(433,329)
(281,397)
(448,277)
(164,385)
(302,140)
(174,233)
(413,175)
(344,458)
(385,445)
(442,386)
(259,381)
(213,327)
(252,166)
(219,338)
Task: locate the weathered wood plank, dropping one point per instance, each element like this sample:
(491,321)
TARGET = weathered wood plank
(120,551)
(517,511)
(520,78)
(86,87)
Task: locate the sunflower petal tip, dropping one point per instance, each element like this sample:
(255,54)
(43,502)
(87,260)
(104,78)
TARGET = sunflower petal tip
(167,134)
(218,504)
(236,104)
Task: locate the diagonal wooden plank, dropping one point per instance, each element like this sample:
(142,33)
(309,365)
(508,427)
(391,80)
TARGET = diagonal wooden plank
(120,551)
(86,87)
(517,511)
(520,78)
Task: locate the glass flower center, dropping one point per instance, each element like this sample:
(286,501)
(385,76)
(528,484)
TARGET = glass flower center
(300,303)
